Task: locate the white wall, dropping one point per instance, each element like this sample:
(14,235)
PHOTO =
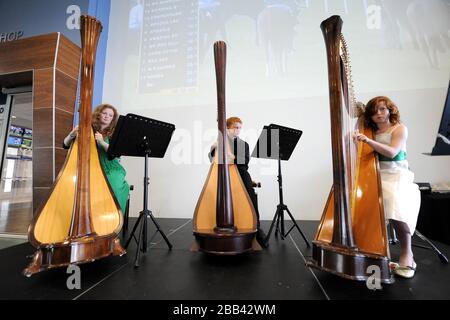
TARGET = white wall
(175,188)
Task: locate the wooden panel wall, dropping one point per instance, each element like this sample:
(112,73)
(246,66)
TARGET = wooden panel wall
(55,63)
(28,54)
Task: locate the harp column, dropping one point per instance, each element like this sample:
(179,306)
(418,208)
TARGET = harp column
(342,235)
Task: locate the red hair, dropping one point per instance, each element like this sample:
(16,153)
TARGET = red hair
(233,120)
(108,131)
(371,109)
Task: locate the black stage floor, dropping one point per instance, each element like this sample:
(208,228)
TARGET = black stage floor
(278,273)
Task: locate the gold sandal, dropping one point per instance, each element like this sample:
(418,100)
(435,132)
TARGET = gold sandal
(405,271)
(393,265)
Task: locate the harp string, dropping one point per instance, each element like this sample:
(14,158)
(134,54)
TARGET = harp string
(349,117)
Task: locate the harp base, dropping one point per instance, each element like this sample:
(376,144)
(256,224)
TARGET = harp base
(82,250)
(349,263)
(225,243)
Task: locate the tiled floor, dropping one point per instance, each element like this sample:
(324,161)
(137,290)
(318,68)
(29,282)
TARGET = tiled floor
(10,242)
(15,217)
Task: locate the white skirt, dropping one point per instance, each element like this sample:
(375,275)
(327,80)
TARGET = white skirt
(401,196)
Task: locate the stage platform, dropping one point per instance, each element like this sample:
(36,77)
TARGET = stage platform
(277,273)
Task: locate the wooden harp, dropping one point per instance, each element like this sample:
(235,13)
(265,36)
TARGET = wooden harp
(224,218)
(351,236)
(81,218)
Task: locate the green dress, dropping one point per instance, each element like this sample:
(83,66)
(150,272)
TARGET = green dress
(116,177)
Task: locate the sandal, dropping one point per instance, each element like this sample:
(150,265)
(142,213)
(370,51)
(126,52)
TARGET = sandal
(406,271)
(393,265)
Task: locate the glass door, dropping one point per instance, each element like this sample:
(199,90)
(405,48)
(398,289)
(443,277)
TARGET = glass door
(16,146)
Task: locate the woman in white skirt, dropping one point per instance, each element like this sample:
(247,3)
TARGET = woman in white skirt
(401,196)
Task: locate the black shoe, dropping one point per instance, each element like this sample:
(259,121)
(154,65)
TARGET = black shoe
(261,238)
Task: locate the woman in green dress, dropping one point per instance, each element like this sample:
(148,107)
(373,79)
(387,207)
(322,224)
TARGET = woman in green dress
(104,120)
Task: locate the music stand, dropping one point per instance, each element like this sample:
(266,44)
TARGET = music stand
(442,146)
(137,136)
(277,143)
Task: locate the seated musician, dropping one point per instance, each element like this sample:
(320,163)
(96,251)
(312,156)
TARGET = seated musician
(104,120)
(241,151)
(401,196)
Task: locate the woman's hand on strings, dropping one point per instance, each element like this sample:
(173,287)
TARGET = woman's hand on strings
(73,134)
(357,136)
(99,137)
(100,141)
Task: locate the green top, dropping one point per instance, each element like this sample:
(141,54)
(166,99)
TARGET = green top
(116,177)
(399,157)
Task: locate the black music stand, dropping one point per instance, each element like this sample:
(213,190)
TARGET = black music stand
(137,136)
(442,146)
(277,142)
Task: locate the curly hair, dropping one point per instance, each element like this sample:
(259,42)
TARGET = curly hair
(233,120)
(108,131)
(371,109)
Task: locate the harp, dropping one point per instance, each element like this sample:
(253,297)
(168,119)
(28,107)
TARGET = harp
(81,218)
(224,218)
(351,236)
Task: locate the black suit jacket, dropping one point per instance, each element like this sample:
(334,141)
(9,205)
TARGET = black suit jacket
(241,151)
